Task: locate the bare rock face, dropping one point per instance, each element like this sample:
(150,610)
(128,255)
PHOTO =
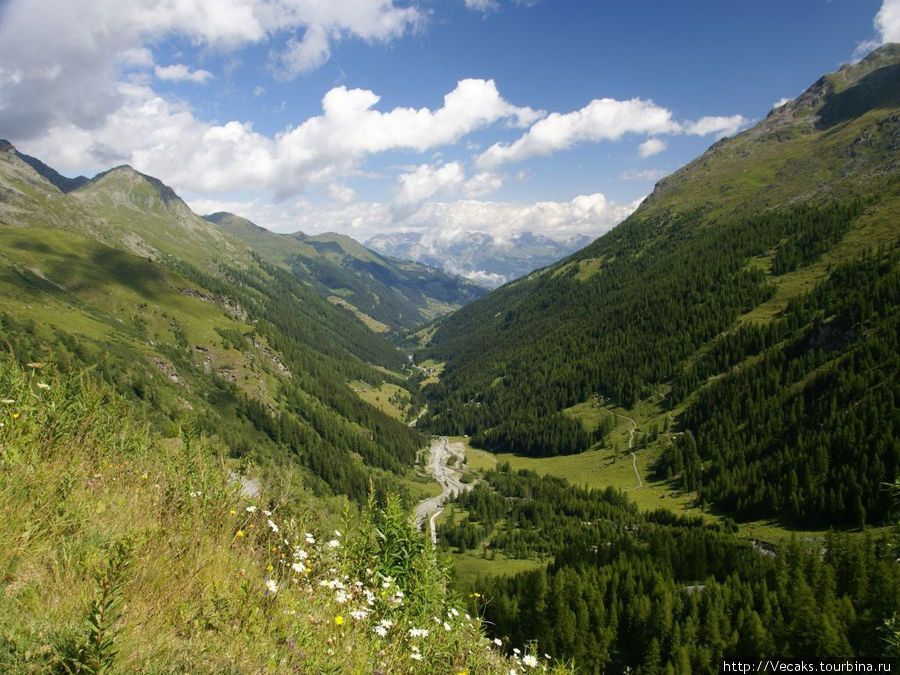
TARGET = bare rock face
(167,369)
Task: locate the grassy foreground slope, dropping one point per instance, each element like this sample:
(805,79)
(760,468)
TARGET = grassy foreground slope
(751,299)
(122,551)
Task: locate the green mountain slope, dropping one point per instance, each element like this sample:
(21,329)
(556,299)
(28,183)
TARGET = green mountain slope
(753,295)
(384,293)
(120,276)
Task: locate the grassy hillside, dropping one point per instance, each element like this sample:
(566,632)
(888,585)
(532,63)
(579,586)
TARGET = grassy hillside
(119,276)
(128,551)
(751,299)
(385,294)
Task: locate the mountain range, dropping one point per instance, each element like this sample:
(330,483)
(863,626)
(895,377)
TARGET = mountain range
(117,274)
(386,294)
(478,256)
(733,344)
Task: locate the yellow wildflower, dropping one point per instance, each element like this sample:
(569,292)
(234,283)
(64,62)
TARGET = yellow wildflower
(232,512)
(338,620)
(240,533)
(15,416)
(269,568)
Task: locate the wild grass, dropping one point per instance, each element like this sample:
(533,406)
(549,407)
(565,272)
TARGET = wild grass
(389,398)
(124,552)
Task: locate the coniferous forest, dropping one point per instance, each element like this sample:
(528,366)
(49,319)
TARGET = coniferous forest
(761,329)
(663,593)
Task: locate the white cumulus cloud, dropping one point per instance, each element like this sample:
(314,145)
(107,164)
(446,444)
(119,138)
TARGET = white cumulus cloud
(650,147)
(604,119)
(600,120)
(585,214)
(61,60)
(167,140)
(326,23)
(720,125)
(482,184)
(887,27)
(887,21)
(424,182)
(181,73)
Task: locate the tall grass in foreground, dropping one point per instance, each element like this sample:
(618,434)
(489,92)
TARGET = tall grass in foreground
(124,552)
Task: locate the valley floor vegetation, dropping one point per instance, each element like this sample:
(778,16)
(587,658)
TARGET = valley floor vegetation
(123,551)
(658,592)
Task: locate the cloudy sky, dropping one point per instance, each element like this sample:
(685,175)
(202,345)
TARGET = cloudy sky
(365,116)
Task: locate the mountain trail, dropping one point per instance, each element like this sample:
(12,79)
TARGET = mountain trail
(630,448)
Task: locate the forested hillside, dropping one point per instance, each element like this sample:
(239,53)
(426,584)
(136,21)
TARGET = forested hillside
(120,277)
(386,294)
(753,294)
(662,593)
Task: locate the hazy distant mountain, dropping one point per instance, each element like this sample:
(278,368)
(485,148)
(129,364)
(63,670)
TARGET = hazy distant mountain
(478,256)
(384,294)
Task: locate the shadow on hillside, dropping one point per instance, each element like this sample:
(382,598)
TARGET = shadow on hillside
(104,268)
(878,89)
(138,274)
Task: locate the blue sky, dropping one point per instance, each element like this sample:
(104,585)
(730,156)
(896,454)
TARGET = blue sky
(440,116)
